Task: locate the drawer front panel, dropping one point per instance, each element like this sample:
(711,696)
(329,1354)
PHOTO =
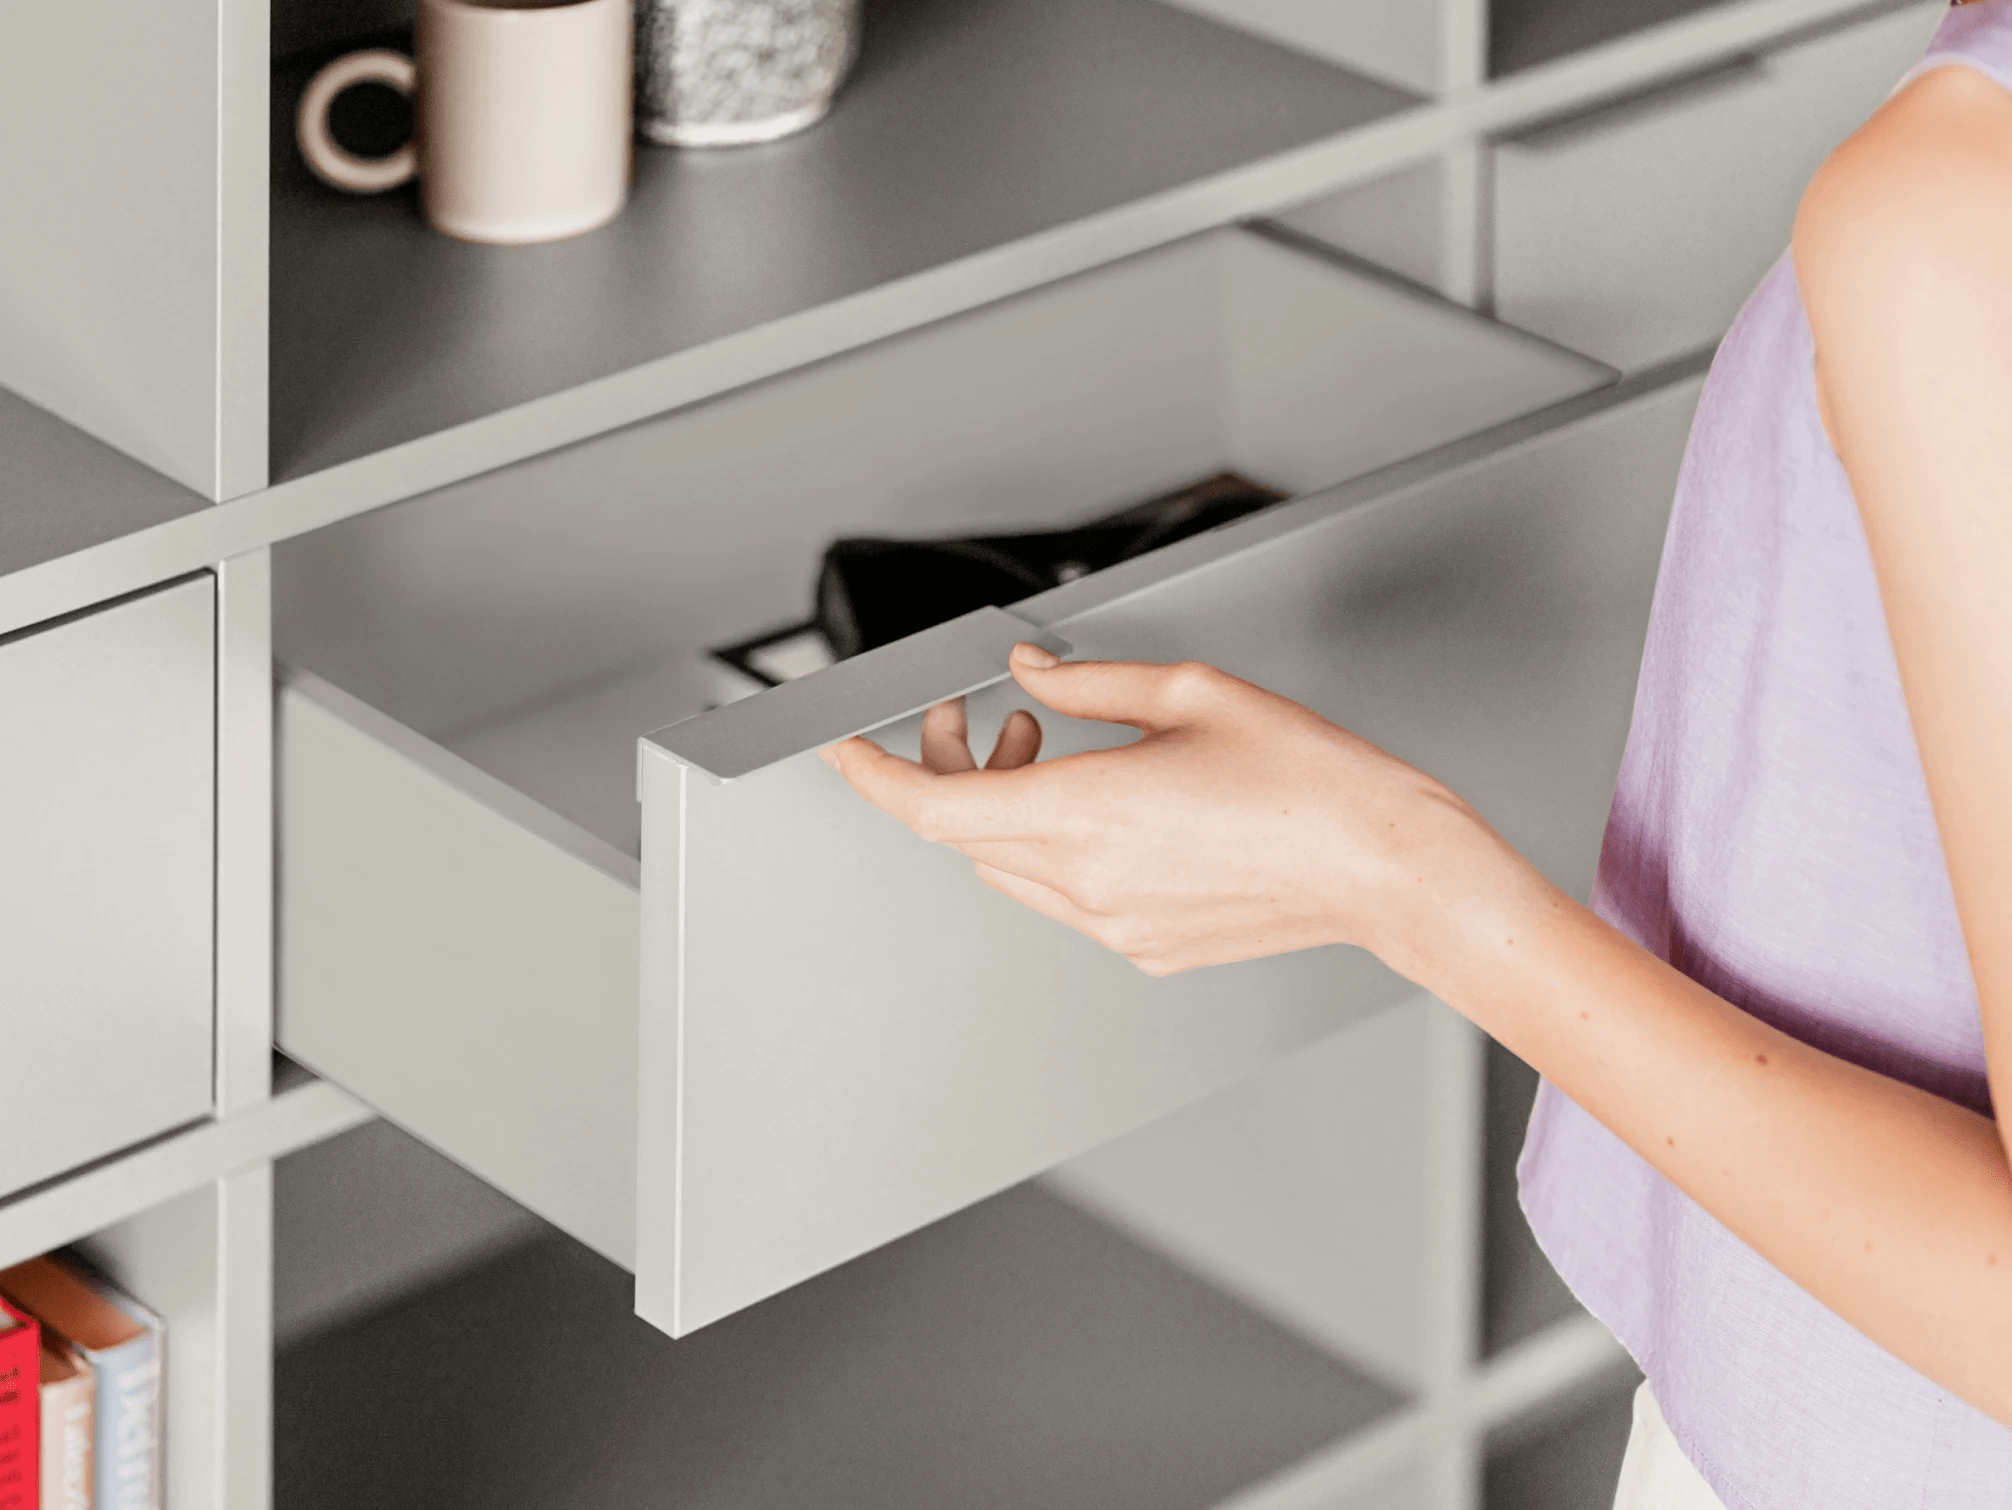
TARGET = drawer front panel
(1638,232)
(106,890)
(845,1035)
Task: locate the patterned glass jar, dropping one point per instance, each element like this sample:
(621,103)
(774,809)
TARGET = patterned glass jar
(715,73)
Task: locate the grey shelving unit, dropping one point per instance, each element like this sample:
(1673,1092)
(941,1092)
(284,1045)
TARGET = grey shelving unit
(204,358)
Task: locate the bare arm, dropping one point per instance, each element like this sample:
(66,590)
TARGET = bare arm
(1242,824)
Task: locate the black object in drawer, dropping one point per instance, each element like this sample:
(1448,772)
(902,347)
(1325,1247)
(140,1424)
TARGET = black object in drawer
(872,591)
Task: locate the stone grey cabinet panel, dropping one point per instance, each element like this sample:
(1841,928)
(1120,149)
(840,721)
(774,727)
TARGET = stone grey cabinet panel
(133,268)
(107,771)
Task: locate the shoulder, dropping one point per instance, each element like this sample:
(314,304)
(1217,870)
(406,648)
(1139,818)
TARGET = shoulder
(1909,222)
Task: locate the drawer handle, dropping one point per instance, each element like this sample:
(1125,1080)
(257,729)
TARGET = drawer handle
(853,696)
(1564,131)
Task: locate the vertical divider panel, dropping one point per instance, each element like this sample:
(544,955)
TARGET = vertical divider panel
(203,1262)
(1467,245)
(1453,1227)
(244,806)
(1453,1214)
(243,1364)
(167,1258)
(244,67)
(111,270)
(1463,45)
(1432,221)
(1467,253)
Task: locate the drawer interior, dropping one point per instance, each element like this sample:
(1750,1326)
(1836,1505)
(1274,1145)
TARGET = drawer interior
(461,922)
(539,619)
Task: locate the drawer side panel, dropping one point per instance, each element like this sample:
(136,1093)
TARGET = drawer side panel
(467,976)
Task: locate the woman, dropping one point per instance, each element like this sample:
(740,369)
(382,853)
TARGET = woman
(1764,1152)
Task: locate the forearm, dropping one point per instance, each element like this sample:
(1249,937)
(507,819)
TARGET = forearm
(1890,1205)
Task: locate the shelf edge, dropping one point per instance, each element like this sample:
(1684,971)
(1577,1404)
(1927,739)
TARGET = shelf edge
(75,1206)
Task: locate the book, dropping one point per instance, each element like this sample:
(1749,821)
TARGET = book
(68,1393)
(20,1408)
(121,1343)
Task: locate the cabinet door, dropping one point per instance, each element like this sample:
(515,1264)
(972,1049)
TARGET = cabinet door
(106,776)
(844,1035)
(1636,231)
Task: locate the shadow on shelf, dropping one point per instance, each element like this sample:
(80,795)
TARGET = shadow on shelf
(1525,33)
(1016,1354)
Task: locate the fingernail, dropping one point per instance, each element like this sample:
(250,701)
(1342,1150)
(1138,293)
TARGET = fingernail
(1033,655)
(829,756)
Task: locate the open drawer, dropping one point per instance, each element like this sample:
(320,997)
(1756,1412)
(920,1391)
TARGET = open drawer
(793,1032)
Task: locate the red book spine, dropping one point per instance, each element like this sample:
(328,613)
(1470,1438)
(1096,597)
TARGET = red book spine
(20,1411)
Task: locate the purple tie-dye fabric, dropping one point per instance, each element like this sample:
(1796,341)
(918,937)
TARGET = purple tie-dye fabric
(1771,837)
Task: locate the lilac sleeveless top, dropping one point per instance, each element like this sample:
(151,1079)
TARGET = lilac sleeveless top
(1771,837)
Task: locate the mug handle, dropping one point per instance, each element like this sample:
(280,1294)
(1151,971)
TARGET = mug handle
(331,163)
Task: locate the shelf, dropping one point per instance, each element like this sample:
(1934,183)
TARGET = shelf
(1529,34)
(78,1203)
(1019,1353)
(1525,33)
(62,491)
(969,125)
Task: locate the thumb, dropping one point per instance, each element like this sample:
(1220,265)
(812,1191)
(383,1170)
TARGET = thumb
(1142,694)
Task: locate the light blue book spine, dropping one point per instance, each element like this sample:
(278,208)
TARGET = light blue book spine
(128,1444)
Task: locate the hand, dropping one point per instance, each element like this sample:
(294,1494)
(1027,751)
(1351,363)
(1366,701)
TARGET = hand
(1242,824)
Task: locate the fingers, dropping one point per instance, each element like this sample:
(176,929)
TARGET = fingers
(960,807)
(1143,694)
(896,786)
(1019,742)
(905,787)
(946,740)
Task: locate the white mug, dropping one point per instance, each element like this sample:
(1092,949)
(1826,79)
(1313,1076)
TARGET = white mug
(523,111)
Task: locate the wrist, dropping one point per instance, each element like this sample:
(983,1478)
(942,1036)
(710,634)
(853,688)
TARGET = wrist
(1460,919)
